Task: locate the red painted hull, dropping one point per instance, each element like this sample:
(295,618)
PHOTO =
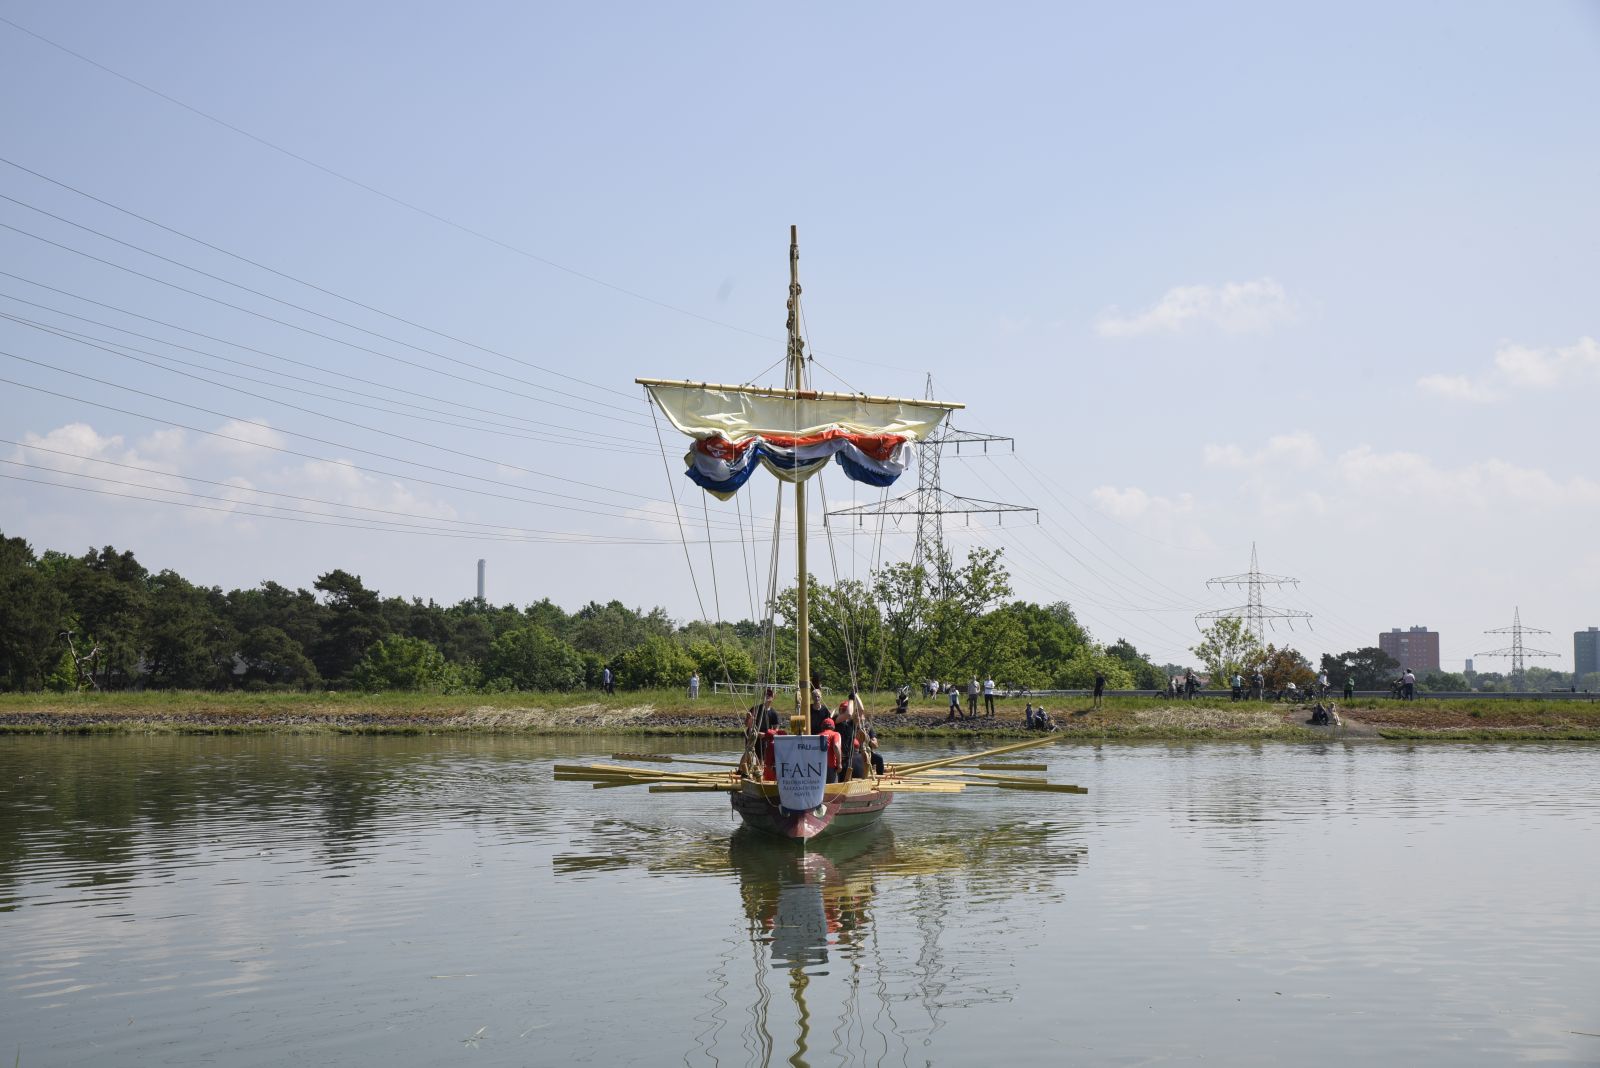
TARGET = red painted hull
(839,814)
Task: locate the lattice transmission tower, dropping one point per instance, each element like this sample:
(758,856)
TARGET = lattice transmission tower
(1516,650)
(1256,614)
(930,502)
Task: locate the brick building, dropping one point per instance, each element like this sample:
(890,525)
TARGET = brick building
(1416,648)
(1585,652)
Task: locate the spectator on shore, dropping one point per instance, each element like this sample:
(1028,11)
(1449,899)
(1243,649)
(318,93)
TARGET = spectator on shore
(972,698)
(1238,686)
(1410,682)
(955,703)
(607,681)
(1258,685)
(988,696)
(694,685)
(1099,688)
(1349,687)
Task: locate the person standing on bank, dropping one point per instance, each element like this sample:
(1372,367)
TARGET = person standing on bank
(955,703)
(1349,687)
(1099,688)
(972,698)
(694,685)
(988,695)
(1410,681)
(607,683)
(1238,686)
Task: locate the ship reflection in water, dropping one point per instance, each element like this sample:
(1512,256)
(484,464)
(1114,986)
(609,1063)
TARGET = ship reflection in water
(860,928)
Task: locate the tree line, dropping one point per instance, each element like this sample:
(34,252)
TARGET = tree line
(102,621)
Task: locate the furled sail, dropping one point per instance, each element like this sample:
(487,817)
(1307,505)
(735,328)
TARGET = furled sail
(792,434)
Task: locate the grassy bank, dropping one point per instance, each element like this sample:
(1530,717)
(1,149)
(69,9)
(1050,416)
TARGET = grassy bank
(670,712)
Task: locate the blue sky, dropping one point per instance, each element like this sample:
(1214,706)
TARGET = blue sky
(1321,279)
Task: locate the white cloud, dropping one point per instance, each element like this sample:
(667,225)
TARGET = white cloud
(1484,483)
(1134,503)
(1233,307)
(1523,367)
(1458,387)
(1298,450)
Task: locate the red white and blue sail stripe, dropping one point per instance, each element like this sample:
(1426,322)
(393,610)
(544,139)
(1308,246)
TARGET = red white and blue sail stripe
(793,437)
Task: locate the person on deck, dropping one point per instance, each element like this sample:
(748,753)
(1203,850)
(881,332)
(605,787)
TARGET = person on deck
(769,754)
(872,749)
(972,698)
(830,738)
(988,696)
(1099,688)
(819,711)
(844,724)
(763,715)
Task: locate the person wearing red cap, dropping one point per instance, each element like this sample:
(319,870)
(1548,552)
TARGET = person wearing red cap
(830,738)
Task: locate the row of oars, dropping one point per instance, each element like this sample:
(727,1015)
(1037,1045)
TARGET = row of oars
(944,776)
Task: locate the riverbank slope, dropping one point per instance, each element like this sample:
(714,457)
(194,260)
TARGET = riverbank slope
(671,712)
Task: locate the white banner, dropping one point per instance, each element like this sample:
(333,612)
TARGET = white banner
(802,770)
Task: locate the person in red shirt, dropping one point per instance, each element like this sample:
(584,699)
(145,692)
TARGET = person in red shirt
(835,751)
(769,754)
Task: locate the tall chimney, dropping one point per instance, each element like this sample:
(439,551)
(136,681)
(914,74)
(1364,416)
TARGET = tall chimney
(480,582)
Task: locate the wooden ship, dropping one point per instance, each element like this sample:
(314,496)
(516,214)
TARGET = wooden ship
(777,786)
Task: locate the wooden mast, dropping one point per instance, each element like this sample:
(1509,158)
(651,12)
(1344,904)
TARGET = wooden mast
(797,366)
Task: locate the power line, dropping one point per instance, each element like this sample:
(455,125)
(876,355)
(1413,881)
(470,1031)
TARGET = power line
(354,524)
(118,349)
(649,516)
(316,333)
(263,352)
(380,193)
(300,281)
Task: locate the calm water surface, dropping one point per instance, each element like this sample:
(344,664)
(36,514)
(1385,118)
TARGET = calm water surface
(258,901)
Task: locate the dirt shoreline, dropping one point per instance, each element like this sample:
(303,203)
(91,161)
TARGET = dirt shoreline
(530,714)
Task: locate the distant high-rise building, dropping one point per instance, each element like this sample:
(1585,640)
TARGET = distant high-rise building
(1585,652)
(1469,665)
(1417,648)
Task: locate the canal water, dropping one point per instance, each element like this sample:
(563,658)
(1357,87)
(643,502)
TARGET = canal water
(407,901)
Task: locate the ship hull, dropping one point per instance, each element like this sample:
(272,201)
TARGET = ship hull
(845,807)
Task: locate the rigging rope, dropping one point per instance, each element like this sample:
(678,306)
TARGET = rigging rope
(684,538)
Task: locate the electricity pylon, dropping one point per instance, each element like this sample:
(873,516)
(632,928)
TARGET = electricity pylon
(1257,616)
(930,502)
(1516,650)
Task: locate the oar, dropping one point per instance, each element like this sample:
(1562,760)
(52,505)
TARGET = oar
(1007,767)
(660,758)
(970,757)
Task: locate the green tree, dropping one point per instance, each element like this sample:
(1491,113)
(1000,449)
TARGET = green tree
(1371,667)
(1146,676)
(273,659)
(1227,648)
(532,658)
(188,644)
(1280,667)
(1442,682)
(400,663)
(658,662)
(31,618)
(353,622)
